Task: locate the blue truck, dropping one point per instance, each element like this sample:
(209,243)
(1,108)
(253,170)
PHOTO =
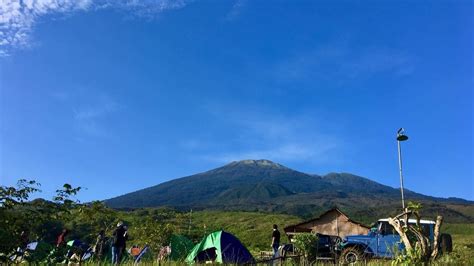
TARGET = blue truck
(384,242)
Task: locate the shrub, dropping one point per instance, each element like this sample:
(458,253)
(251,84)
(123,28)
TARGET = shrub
(306,243)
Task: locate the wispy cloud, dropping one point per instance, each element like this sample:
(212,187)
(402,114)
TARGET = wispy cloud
(260,135)
(284,152)
(340,64)
(89,120)
(105,106)
(236,9)
(19,17)
(91,117)
(90,111)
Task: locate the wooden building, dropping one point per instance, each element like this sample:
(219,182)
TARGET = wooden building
(333,222)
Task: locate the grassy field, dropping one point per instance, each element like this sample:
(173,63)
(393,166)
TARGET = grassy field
(463,244)
(254,231)
(252,228)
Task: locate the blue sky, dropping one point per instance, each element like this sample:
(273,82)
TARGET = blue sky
(120,95)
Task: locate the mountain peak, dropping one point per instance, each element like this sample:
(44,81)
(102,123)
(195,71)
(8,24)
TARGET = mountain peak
(267,186)
(258,163)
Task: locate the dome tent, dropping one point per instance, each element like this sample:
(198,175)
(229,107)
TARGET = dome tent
(222,247)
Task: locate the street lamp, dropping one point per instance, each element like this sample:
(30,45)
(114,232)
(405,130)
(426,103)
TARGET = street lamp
(401,137)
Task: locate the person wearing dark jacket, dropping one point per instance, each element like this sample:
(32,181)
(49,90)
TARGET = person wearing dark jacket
(20,251)
(275,240)
(119,242)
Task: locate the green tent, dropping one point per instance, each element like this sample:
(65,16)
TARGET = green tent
(180,247)
(221,247)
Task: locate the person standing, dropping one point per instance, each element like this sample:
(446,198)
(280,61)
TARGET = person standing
(59,253)
(20,251)
(24,239)
(119,243)
(61,240)
(275,240)
(99,245)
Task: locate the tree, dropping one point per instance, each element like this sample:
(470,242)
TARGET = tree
(418,247)
(64,201)
(94,217)
(12,220)
(38,218)
(153,233)
(307,244)
(12,196)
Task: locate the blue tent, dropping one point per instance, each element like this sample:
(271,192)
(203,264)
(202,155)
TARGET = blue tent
(220,247)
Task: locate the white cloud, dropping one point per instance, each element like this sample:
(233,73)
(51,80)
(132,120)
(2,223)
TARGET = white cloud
(260,135)
(18,17)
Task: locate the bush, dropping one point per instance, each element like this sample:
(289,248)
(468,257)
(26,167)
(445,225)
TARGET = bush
(306,243)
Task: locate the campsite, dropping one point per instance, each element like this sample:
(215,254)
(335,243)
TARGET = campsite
(236,132)
(232,237)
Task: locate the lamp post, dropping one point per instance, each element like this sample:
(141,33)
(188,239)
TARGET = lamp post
(401,137)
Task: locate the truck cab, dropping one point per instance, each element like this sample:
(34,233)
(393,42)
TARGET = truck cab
(382,241)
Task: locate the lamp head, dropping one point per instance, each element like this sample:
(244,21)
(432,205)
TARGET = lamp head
(400,135)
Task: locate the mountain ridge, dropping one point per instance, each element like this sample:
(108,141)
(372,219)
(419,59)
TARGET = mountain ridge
(262,185)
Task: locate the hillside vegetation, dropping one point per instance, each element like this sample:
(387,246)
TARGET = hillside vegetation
(265,186)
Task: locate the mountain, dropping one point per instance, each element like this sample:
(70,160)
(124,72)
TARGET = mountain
(262,185)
